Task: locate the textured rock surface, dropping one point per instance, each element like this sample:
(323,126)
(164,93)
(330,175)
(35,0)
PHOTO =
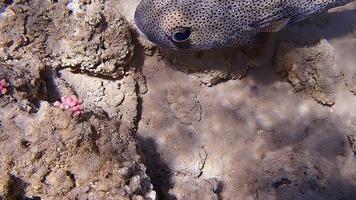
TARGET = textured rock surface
(211,67)
(90,37)
(310,70)
(184,105)
(96,40)
(45,152)
(50,155)
(261,134)
(199,189)
(117,99)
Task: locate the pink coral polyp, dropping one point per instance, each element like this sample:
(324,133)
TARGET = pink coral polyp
(3,86)
(71,103)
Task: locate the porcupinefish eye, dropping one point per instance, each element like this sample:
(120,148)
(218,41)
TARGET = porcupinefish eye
(180,35)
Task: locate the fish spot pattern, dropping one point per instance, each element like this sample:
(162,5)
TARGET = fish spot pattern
(220,23)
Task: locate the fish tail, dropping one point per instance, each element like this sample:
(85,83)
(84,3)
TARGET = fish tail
(328,4)
(316,7)
(336,3)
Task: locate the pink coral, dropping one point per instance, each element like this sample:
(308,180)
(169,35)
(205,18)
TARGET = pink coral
(3,86)
(71,103)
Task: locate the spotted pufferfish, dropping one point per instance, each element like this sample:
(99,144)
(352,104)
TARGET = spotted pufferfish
(207,24)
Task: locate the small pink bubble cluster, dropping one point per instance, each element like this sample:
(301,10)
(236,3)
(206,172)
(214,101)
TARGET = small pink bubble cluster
(3,86)
(71,103)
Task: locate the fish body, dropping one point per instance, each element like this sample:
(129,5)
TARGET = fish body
(207,24)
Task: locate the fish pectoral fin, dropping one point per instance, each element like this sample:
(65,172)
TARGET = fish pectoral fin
(274,26)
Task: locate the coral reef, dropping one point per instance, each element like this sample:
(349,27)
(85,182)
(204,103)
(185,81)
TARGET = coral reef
(97,40)
(54,156)
(46,153)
